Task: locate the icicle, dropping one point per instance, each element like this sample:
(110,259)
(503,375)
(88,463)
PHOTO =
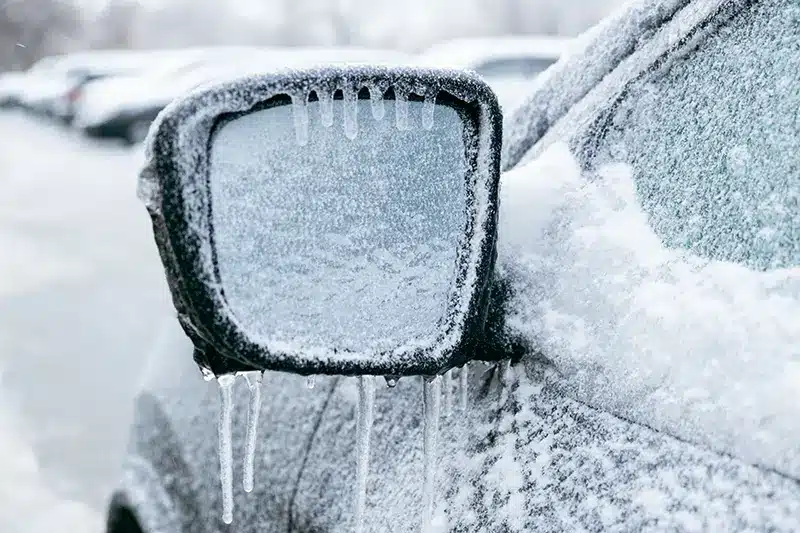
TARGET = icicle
(310,382)
(446,384)
(208,375)
(391,381)
(428,110)
(432,394)
(300,113)
(225,445)
(376,102)
(401,110)
(366,404)
(254,384)
(325,107)
(464,377)
(350,112)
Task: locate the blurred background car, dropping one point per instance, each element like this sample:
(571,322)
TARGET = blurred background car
(508,64)
(123,108)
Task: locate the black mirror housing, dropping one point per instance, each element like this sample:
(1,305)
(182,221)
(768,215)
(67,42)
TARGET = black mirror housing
(175,185)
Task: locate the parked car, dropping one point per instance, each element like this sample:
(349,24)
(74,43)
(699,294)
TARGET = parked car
(124,108)
(10,83)
(53,86)
(645,299)
(509,64)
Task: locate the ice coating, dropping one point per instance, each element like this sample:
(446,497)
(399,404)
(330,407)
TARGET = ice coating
(463,377)
(446,394)
(703,349)
(350,112)
(366,403)
(325,106)
(401,110)
(300,116)
(341,228)
(429,110)
(376,99)
(254,385)
(226,445)
(432,397)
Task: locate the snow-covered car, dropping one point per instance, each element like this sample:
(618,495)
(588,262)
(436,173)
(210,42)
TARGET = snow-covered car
(642,329)
(53,86)
(124,108)
(509,64)
(10,84)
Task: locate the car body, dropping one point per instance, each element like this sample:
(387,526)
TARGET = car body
(124,108)
(54,85)
(604,427)
(509,63)
(10,84)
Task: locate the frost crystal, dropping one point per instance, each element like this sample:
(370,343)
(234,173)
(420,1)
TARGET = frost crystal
(432,395)
(226,446)
(254,384)
(366,403)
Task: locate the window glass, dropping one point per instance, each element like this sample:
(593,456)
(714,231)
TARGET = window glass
(522,67)
(714,141)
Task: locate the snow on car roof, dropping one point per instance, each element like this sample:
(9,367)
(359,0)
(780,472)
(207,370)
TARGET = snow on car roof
(468,52)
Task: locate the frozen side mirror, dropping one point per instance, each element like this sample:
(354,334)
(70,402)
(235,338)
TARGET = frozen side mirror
(329,221)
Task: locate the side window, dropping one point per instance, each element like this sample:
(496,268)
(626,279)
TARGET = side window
(514,68)
(714,141)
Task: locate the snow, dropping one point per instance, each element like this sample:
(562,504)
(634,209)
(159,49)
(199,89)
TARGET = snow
(61,270)
(27,501)
(702,349)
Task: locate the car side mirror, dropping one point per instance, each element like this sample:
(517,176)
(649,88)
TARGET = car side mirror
(329,221)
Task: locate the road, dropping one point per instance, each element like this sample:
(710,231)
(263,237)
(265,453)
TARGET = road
(81,294)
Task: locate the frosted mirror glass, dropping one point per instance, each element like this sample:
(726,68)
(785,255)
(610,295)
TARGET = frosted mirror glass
(340,233)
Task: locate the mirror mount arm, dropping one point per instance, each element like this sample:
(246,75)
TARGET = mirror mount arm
(499,342)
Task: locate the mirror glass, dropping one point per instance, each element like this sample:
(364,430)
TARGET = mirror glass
(333,239)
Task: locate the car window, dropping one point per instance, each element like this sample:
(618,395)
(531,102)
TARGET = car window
(714,141)
(520,68)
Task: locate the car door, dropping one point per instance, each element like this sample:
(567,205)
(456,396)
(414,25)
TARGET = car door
(651,408)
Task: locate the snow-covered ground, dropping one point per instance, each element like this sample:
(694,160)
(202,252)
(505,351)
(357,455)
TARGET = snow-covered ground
(81,292)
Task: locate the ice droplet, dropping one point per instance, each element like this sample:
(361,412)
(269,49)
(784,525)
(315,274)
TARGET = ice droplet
(376,102)
(464,377)
(300,114)
(366,404)
(254,384)
(350,112)
(225,445)
(428,110)
(446,384)
(391,382)
(431,395)
(310,382)
(325,107)
(401,110)
(208,375)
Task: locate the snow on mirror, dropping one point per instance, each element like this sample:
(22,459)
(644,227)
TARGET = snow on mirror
(339,230)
